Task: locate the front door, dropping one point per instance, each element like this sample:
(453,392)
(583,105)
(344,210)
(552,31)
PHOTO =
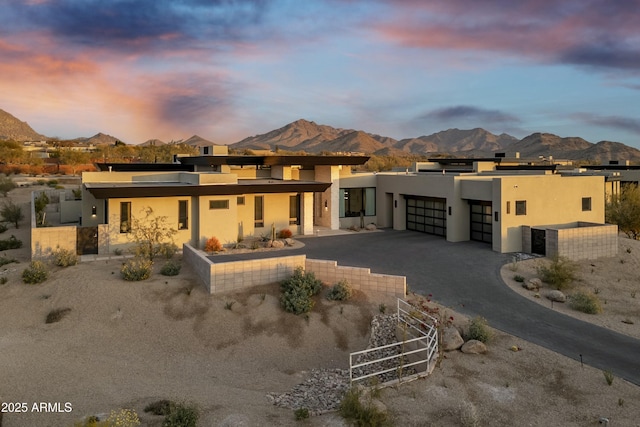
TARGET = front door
(538,241)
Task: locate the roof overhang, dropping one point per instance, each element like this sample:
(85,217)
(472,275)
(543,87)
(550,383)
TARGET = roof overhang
(141,190)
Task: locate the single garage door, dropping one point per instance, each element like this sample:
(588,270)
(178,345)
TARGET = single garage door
(427,214)
(481,225)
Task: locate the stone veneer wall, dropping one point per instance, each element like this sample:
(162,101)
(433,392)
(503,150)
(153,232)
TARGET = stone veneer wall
(587,241)
(228,276)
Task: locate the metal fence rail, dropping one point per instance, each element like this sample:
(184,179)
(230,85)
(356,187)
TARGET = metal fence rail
(403,360)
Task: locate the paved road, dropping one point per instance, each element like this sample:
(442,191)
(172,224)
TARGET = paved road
(466,277)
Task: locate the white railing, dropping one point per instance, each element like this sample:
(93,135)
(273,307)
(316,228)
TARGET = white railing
(400,361)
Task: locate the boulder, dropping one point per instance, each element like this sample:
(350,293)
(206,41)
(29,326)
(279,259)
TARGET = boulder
(474,347)
(557,296)
(370,227)
(289,241)
(532,284)
(451,339)
(277,244)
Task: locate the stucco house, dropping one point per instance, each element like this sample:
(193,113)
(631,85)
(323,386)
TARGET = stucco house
(509,204)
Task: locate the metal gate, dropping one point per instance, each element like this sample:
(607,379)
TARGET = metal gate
(87,240)
(538,241)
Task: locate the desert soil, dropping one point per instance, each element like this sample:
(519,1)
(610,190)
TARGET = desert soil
(126,344)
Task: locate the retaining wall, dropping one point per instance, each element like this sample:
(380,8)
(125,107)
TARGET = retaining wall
(229,276)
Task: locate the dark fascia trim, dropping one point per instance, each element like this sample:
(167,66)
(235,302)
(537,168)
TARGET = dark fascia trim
(274,160)
(121,192)
(144,167)
(611,167)
(464,161)
(526,167)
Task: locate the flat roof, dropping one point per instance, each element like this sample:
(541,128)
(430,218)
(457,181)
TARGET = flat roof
(144,167)
(121,190)
(273,160)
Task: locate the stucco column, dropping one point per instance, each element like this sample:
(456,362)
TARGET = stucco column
(306,227)
(330,216)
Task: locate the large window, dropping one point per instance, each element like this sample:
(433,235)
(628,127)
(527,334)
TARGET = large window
(354,201)
(294,210)
(521,207)
(183,215)
(258,215)
(125,217)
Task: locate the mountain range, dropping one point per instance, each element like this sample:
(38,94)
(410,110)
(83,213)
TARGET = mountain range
(307,136)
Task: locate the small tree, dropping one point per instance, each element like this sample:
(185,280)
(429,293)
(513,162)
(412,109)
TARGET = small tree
(149,232)
(6,185)
(12,213)
(624,211)
(40,204)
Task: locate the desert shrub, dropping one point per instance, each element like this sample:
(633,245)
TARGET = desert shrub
(64,257)
(77,193)
(298,290)
(12,212)
(559,273)
(3,280)
(352,409)
(35,273)
(170,268)
(117,418)
(608,376)
(6,185)
(136,269)
(285,234)
(469,415)
(10,243)
(160,407)
(117,251)
(167,250)
(4,261)
(518,278)
(181,415)
(341,291)
(57,315)
(584,302)
(213,245)
(3,228)
(301,414)
(479,330)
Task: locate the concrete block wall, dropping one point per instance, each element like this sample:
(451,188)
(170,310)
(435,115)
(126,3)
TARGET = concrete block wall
(46,239)
(199,262)
(359,278)
(526,239)
(583,242)
(231,276)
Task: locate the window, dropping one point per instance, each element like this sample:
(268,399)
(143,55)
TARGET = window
(294,210)
(357,200)
(258,215)
(508,207)
(218,204)
(521,207)
(240,200)
(183,215)
(586,204)
(125,217)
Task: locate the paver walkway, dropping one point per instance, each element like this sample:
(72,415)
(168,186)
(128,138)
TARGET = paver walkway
(466,277)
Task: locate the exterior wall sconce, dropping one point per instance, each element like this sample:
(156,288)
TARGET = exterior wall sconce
(326,205)
(94,210)
(395,203)
(495,216)
(449,210)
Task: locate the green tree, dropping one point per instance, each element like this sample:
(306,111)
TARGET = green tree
(6,185)
(12,213)
(150,232)
(624,210)
(73,158)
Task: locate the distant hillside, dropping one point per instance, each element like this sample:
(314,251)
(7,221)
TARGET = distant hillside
(12,128)
(99,139)
(196,141)
(474,141)
(152,142)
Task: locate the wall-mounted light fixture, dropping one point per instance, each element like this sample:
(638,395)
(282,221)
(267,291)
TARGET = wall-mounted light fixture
(395,203)
(326,205)
(449,210)
(94,210)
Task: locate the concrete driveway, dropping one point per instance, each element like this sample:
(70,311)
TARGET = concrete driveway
(466,277)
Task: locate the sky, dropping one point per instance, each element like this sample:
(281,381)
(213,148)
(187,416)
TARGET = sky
(229,69)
